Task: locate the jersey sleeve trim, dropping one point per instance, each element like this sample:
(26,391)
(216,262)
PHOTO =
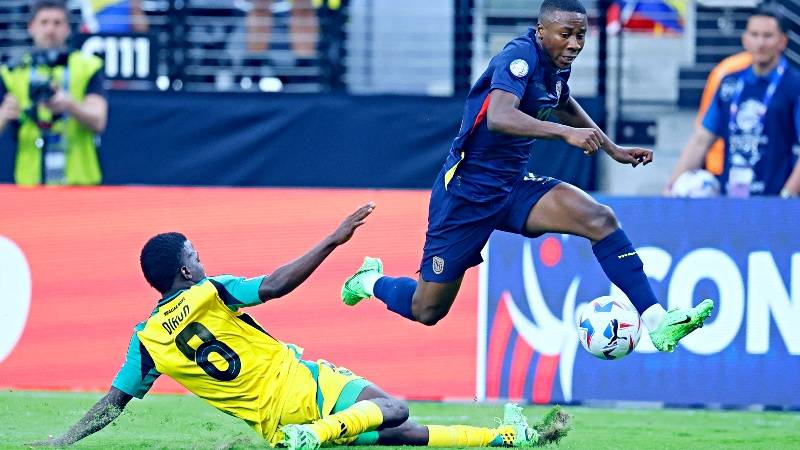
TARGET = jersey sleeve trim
(138,372)
(237,292)
(713,115)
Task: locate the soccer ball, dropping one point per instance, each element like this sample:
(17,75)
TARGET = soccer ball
(696,184)
(609,327)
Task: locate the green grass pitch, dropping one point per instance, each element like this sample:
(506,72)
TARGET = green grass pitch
(185,422)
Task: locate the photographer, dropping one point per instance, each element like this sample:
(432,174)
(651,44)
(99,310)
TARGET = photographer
(54,101)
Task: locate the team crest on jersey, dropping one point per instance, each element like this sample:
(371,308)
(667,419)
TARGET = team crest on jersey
(438,263)
(519,67)
(726,89)
(559,86)
(748,118)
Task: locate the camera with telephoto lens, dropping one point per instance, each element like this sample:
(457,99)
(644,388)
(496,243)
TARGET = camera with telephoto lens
(41,90)
(41,87)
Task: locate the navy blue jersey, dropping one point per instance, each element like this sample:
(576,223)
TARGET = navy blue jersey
(765,144)
(484,165)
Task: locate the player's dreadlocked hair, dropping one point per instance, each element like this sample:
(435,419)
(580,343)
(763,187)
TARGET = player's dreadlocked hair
(161,259)
(551,6)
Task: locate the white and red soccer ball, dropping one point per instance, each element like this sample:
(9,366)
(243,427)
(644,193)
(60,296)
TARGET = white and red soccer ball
(609,327)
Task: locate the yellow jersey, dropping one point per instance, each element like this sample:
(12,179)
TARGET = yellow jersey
(199,338)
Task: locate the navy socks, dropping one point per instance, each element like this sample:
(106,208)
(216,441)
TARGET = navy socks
(624,268)
(396,293)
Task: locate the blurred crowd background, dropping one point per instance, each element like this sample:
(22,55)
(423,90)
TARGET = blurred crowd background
(641,75)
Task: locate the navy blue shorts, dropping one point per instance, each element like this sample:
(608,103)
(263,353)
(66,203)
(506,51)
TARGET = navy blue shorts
(459,228)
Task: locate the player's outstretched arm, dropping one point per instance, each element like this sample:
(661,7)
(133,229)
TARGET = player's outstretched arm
(572,114)
(505,117)
(287,277)
(101,414)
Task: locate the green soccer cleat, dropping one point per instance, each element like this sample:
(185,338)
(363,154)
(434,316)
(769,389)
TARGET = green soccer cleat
(299,437)
(353,289)
(524,434)
(677,323)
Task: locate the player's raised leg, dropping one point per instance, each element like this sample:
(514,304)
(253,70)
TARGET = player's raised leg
(567,209)
(457,231)
(422,301)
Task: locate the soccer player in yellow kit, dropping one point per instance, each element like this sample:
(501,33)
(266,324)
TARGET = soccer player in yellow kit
(198,336)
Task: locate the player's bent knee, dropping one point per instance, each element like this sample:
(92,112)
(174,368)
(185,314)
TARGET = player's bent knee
(395,412)
(429,311)
(430,315)
(601,222)
(402,411)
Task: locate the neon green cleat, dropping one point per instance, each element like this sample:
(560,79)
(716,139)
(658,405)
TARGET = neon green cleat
(353,289)
(524,434)
(299,437)
(678,323)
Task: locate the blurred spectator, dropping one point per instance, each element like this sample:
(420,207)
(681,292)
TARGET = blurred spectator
(297,33)
(715,158)
(54,100)
(269,19)
(756,112)
(214,37)
(113,16)
(332,23)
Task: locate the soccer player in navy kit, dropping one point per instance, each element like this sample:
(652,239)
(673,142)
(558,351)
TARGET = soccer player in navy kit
(483,185)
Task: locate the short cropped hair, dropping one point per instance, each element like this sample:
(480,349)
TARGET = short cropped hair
(769,9)
(161,259)
(551,6)
(38,5)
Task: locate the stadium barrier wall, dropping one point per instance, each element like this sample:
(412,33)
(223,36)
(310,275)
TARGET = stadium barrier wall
(227,139)
(743,254)
(72,292)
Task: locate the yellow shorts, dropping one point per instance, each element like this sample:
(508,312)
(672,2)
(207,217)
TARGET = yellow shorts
(317,390)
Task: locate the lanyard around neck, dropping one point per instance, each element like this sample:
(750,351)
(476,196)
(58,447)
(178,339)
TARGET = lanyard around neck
(774,80)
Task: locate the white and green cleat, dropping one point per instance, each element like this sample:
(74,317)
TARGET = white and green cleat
(299,437)
(353,290)
(524,434)
(678,323)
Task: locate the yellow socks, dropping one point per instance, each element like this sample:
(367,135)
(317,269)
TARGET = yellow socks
(363,416)
(366,416)
(466,436)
